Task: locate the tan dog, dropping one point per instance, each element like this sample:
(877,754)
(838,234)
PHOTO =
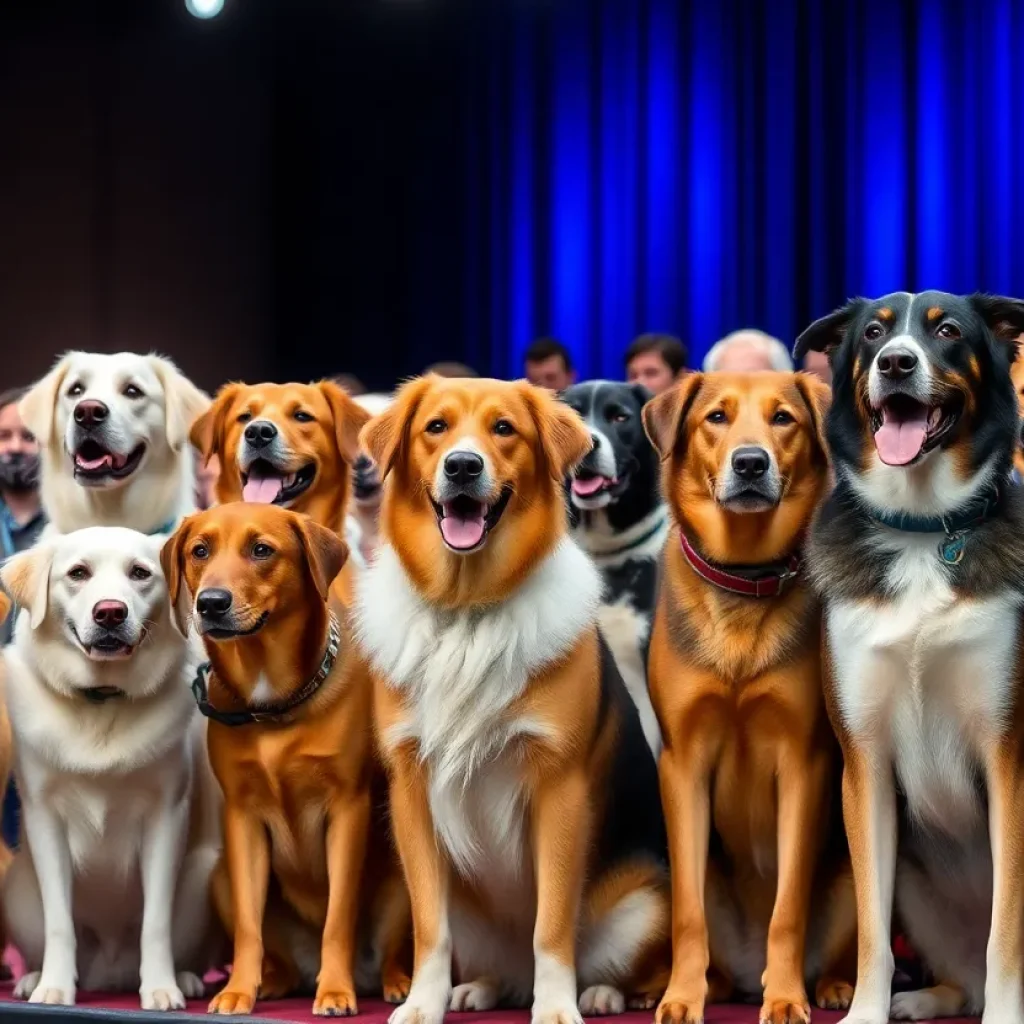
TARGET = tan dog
(524,796)
(735,677)
(290,743)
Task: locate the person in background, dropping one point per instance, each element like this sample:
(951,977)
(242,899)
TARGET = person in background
(206,480)
(549,365)
(748,351)
(818,364)
(655,360)
(451,369)
(21,522)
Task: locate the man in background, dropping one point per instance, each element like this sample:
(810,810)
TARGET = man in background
(818,364)
(549,365)
(655,360)
(748,351)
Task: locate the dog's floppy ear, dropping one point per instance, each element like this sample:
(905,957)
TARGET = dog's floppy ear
(207,433)
(171,556)
(1003,316)
(665,414)
(643,396)
(826,334)
(563,435)
(817,396)
(26,577)
(38,407)
(325,552)
(349,419)
(183,401)
(383,436)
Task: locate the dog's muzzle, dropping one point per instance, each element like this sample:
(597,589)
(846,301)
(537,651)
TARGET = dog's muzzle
(751,482)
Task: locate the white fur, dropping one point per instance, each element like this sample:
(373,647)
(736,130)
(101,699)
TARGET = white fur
(107,790)
(162,488)
(610,549)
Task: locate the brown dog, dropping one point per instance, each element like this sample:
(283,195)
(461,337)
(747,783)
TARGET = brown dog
(524,795)
(289,704)
(735,679)
(290,445)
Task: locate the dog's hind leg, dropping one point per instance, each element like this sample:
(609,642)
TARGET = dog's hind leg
(23,915)
(195,932)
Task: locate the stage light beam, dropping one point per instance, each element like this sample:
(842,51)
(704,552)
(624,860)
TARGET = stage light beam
(204,8)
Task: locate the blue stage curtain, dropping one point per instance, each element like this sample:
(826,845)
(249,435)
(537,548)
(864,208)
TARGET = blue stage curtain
(695,166)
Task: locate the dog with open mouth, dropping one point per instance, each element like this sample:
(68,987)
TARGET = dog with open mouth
(919,556)
(363,526)
(523,793)
(290,445)
(113,436)
(619,518)
(109,889)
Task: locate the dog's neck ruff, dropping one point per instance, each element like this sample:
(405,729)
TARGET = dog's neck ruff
(768,580)
(271,714)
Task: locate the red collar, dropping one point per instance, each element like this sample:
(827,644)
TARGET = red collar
(771,584)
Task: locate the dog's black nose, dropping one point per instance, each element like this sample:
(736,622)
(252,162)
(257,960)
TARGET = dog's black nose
(213,601)
(750,463)
(363,463)
(461,467)
(90,412)
(897,363)
(260,433)
(109,614)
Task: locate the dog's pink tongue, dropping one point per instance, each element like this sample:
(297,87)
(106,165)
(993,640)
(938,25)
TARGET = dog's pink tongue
(261,488)
(100,462)
(899,440)
(588,485)
(462,532)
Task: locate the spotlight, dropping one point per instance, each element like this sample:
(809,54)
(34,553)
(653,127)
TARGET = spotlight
(204,8)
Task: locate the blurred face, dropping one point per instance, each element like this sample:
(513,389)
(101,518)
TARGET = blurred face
(649,369)
(19,452)
(743,358)
(206,481)
(817,363)
(550,373)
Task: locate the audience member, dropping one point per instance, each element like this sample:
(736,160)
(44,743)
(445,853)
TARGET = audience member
(451,369)
(747,351)
(549,365)
(818,364)
(655,360)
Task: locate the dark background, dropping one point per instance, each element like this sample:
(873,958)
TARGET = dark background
(305,187)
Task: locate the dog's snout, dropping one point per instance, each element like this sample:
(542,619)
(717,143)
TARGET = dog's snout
(109,614)
(897,363)
(462,467)
(260,433)
(750,463)
(213,601)
(89,412)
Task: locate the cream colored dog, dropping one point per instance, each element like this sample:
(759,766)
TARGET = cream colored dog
(121,815)
(114,436)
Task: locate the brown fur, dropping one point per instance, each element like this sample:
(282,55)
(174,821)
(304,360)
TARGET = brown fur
(1017,375)
(299,797)
(736,684)
(330,441)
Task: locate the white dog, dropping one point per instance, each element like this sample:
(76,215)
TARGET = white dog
(114,436)
(121,815)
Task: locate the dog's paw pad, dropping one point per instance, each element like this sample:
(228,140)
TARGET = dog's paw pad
(167,997)
(473,995)
(601,1001)
(228,1002)
(191,985)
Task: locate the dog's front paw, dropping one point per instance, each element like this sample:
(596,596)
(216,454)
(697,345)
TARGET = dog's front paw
(331,1001)
(833,994)
(26,985)
(395,985)
(232,1000)
(419,1011)
(785,1011)
(162,997)
(191,985)
(553,1013)
(679,1008)
(480,995)
(53,992)
(601,1001)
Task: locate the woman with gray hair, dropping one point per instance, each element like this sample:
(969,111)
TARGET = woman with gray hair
(748,351)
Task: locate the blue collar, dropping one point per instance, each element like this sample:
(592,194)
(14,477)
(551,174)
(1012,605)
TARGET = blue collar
(167,527)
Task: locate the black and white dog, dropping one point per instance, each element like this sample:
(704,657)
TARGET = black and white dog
(620,520)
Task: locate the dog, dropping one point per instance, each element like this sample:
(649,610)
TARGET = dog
(523,794)
(291,745)
(363,524)
(120,811)
(291,445)
(920,558)
(735,676)
(113,435)
(619,518)
(1017,376)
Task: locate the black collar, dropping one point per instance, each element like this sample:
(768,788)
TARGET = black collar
(274,714)
(101,694)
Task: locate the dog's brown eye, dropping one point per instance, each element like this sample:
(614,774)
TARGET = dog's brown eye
(131,391)
(781,418)
(139,572)
(262,550)
(503,428)
(78,573)
(949,331)
(437,427)
(76,389)
(201,552)
(302,417)
(716,417)
(873,332)
(244,417)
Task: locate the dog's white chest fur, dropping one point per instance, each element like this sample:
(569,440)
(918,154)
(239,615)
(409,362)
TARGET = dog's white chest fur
(461,673)
(926,679)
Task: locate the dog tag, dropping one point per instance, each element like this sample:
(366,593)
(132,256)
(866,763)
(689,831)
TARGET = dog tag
(952,548)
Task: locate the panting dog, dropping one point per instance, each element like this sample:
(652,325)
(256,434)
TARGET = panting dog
(291,445)
(523,794)
(919,554)
(619,518)
(109,890)
(750,762)
(362,530)
(113,433)
(290,740)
